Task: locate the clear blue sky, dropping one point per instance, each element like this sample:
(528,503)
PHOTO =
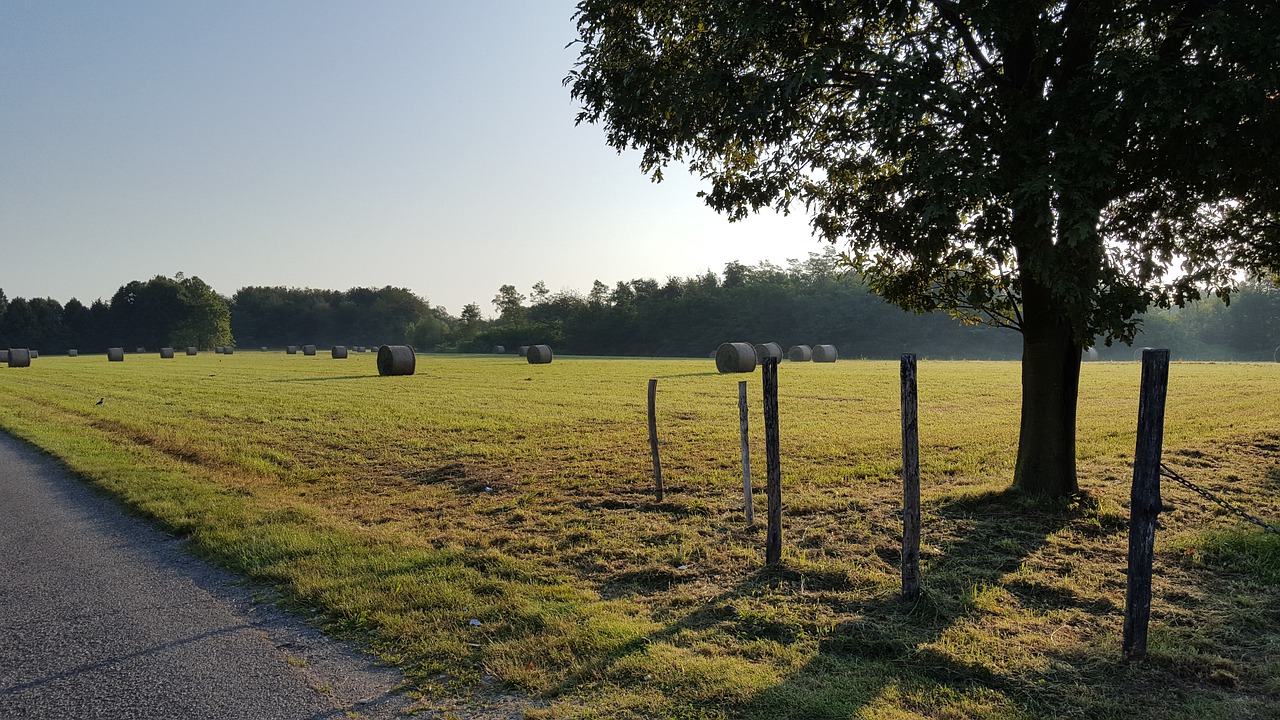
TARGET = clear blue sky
(319,143)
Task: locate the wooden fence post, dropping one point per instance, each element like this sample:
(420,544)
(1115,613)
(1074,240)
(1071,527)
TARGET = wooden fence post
(653,439)
(773,463)
(746,453)
(910,482)
(1144,502)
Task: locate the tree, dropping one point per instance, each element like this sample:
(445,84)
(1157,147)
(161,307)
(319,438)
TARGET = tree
(510,304)
(205,318)
(470,322)
(1051,167)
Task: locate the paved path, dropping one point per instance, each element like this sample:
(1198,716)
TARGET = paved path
(102,616)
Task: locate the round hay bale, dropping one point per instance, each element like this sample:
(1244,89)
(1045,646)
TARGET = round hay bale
(264,348)
(192,350)
(291,350)
(499,350)
(73,353)
(339,352)
(308,350)
(18,357)
(539,354)
(768,350)
(4,355)
(218,349)
(396,360)
(140,350)
(800,353)
(825,353)
(166,353)
(523,350)
(115,354)
(228,350)
(34,354)
(736,357)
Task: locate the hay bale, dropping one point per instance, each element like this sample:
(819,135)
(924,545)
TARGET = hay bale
(264,348)
(228,350)
(4,355)
(768,350)
(523,350)
(736,357)
(140,350)
(800,353)
(499,350)
(218,349)
(291,350)
(308,350)
(396,360)
(166,353)
(34,354)
(339,352)
(73,353)
(539,354)
(825,354)
(19,357)
(192,350)
(115,354)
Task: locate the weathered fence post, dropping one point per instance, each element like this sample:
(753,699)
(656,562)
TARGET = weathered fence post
(653,439)
(746,453)
(910,482)
(1144,502)
(773,463)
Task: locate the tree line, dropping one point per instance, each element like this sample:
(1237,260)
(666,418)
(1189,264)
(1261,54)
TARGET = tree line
(805,302)
(177,312)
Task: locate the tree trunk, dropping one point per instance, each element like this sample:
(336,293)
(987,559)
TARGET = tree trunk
(1050,386)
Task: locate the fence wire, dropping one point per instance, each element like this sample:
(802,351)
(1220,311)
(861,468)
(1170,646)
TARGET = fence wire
(1166,471)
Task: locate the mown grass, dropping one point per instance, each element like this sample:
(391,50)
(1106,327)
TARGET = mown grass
(398,510)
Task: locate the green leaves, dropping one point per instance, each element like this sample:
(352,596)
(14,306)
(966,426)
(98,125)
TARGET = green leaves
(1120,156)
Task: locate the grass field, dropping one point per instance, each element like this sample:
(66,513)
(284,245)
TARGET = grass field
(397,510)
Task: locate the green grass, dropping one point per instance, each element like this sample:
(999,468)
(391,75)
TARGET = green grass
(396,510)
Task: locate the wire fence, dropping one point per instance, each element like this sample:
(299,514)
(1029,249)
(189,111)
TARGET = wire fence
(1168,472)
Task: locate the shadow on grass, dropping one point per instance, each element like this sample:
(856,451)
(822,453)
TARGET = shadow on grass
(323,379)
(891,652)
(890,646)
(1208,657)
(687,375)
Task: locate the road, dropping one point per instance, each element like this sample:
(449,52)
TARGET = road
(102,616)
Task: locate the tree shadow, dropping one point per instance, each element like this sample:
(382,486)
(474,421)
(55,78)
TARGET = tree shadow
(687,375)
(888,639)
(892,647)
(322,379)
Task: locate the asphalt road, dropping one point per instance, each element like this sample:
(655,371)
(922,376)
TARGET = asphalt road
(102,616)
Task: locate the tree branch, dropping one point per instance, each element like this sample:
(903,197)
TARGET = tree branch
(950,11)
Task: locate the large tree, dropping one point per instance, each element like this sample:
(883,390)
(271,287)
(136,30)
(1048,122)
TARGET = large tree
(1051,167)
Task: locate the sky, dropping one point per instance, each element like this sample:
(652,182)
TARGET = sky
(429,145)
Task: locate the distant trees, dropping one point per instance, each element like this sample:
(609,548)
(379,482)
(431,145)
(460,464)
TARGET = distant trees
(279,316)
(161,311)
(809,301)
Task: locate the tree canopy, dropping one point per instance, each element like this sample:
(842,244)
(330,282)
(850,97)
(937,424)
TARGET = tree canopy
(1052,167)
